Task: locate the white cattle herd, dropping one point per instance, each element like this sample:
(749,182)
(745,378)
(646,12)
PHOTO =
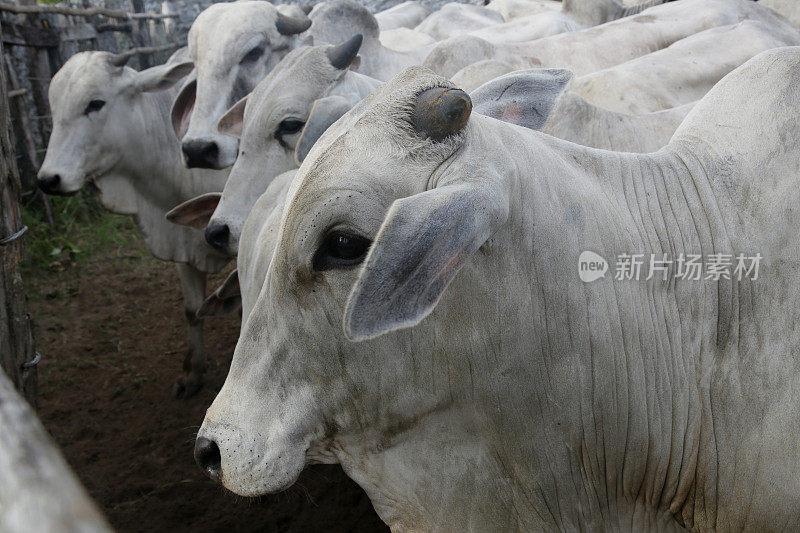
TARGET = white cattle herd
(407,196)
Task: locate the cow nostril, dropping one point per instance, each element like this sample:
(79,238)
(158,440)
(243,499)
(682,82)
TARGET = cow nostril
(206,453)
(200,154)
(218,236)
(49,183)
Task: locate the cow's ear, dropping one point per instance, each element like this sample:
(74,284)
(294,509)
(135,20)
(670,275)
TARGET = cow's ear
(324,112)
(421,246)
(195,213)
(227,298)
(232,122)
(182,109)
(163,76)
(525,98)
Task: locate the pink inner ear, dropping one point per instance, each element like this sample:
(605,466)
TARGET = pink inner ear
(182,109)
(195,213)
(232,123)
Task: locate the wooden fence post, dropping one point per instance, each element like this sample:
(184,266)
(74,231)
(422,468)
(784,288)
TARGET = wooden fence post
(38,491)
(17,353)
(141,34)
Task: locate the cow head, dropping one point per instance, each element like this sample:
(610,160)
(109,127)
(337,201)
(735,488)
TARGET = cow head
(97,117)
(381,216)
(271,122)
(233,46)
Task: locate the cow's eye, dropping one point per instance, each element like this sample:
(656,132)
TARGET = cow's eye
(290,126)
(339,250)
(94,105)
(253,55)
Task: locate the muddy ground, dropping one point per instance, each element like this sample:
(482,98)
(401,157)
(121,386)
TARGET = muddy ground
(112,334)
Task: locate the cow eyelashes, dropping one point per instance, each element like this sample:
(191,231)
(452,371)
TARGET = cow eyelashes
(94,105)
(289,126)
(340,250)
(253,55)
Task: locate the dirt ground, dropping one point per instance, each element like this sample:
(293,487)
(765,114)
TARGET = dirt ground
(112,334)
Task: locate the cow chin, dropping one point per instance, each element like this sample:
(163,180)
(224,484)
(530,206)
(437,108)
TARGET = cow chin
(252,466)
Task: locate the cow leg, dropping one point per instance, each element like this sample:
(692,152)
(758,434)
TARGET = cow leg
(194,364)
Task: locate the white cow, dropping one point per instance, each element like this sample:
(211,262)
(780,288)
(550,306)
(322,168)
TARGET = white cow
(455,19)
(305,85)
(537,99)
(271,122)
(233,45)
(403,15)
(685,70)
(259,237)
(111,129)
(338,20)
(424,325)
(514,9)
(405,40)
(575,15)
(544,100)
(788,8)
(603,46)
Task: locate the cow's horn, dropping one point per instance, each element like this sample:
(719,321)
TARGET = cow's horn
(343,54)
(119,60)
(290,25)
(441,112)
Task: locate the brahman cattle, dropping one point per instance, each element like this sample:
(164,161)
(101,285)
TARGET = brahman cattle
(423,322)
(111,129)
(602,46)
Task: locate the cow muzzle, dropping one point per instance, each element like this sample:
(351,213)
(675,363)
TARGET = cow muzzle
(201,154)
(49,183)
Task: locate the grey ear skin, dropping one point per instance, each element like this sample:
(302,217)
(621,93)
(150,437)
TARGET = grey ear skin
(290,25)
(195,213)
(232,122)
(324,113)
(182,109)
(421,246)
(342,56)
(525,98)
(163,76)
(226,298)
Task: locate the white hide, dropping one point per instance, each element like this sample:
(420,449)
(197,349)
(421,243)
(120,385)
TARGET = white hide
(233,46)
(126,148)
(403,15)
(685,71)
(489,387)
(600,47)
(543,100)
(288,92)
(456,19)
(338,20)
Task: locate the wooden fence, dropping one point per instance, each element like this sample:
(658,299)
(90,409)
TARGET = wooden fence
(40,38)
(38,491)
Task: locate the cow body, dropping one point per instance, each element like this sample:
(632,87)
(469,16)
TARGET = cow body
(685,70)
(544,100)
(125,147)
(423,323)
(604,46)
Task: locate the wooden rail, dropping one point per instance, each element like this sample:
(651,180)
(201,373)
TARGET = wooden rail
(38,491)
(82,12)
